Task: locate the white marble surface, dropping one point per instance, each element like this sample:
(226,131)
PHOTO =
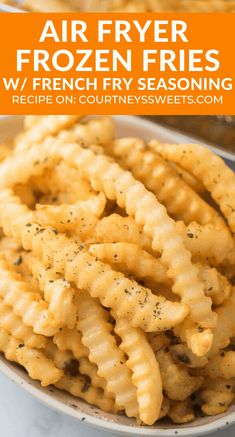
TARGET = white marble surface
(23,416)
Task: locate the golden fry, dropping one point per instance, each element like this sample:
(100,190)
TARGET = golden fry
(210,169)
(145,370)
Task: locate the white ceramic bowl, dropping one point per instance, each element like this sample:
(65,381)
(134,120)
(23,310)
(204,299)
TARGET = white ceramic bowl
(66,404)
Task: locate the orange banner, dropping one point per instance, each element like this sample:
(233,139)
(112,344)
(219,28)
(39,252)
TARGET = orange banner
(171,63)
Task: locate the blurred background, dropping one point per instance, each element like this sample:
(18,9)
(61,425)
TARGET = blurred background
(126,5)
(218,130)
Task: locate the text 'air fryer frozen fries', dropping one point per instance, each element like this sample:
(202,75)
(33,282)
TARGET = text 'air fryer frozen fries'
(117,268)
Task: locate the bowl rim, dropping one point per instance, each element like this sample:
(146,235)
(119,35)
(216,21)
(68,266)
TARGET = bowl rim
(220,422)
(99,423)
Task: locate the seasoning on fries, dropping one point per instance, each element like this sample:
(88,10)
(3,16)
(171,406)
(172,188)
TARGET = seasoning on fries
(116,275)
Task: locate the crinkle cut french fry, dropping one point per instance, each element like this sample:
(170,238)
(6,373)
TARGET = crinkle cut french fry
(217,286)
(178,384)
(221,366)
(71,339)
(104,352)
(127,298)
(63,179)
(15,207)
(207,243)
(16,258)
(48,125)
(117,229)
(15,326)
(71,214)
(80,387)
(98,130)
(35,362)
(181,412)
(188,177)
(9,345)
(130,258)
(210,169)
(17,294)
(38,365)
(145,370)
(163,181)
(18,168)
(58,292)
(11,250)
(67,218)
(225,328)
(216,396)
(130,194)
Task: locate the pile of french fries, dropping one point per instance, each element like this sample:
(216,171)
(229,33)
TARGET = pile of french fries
(117,267)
